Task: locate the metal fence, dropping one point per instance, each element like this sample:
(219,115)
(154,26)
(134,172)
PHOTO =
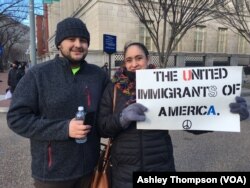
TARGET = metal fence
(193,59)
(154,59)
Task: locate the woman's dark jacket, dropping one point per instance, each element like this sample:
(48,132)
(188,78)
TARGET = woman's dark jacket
(45,101)
(132,149)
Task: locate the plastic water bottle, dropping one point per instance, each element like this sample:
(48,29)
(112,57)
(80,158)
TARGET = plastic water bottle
(80,115)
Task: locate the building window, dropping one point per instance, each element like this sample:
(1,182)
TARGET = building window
(222,40)
(241,44)
(145,38)
(199,38)
(239,6)
(219,2)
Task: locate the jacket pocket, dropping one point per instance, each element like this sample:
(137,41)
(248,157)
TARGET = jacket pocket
(88,96)
(49,155)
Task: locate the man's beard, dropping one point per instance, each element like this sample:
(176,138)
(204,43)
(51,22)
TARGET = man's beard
(74,62)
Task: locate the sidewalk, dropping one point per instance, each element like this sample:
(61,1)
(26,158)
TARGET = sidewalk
(4,104)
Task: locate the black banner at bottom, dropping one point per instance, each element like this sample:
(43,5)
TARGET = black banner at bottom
(191,179)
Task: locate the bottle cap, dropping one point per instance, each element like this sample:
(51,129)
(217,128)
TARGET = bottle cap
(80,108)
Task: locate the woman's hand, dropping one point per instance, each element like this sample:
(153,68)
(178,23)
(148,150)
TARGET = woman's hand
(133,112)
(240,107)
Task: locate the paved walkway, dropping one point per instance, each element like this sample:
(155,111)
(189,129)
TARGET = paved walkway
(4,104)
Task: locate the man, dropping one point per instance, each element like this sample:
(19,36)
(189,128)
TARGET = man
(44,106)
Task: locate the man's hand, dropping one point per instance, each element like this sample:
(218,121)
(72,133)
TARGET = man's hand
(77,129)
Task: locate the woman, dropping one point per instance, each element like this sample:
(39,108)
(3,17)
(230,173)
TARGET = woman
(132,149)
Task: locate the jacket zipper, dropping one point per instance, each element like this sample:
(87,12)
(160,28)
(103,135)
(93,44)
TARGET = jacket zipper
(141,151)
(88,96)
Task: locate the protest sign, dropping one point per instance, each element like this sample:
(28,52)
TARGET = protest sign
(193,98)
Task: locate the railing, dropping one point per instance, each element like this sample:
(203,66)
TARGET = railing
(196,59)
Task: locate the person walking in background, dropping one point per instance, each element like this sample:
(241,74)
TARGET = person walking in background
(13,78)
(15,74)
(105,68)
(137,150)
(44,106)
(21,69)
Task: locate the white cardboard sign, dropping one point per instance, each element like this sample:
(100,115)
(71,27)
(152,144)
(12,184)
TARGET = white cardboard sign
(193,98)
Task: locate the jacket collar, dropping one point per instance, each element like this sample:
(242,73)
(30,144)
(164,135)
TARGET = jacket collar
(66,63)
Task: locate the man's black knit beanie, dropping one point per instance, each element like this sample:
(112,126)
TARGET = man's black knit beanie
(71,27)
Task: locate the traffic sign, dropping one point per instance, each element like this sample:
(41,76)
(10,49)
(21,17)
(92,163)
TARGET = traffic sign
(109,43)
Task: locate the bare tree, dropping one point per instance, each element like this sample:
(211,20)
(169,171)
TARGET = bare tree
(12,13)
(15,9)
(236,14)
(178,15)
(17,42)
(13,38)
(12,31)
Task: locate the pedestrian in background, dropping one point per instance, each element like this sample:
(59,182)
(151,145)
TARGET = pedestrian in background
(44,106)
(21,69)
(132,149)
(105,67)
(13,78)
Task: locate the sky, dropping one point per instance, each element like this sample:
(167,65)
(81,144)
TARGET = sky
(37,10)
(38,6)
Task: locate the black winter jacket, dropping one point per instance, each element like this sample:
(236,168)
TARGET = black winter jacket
(132,149)
(14,76)
(45,101)
(12,79)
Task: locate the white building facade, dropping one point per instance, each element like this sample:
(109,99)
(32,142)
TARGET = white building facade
(210,42)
